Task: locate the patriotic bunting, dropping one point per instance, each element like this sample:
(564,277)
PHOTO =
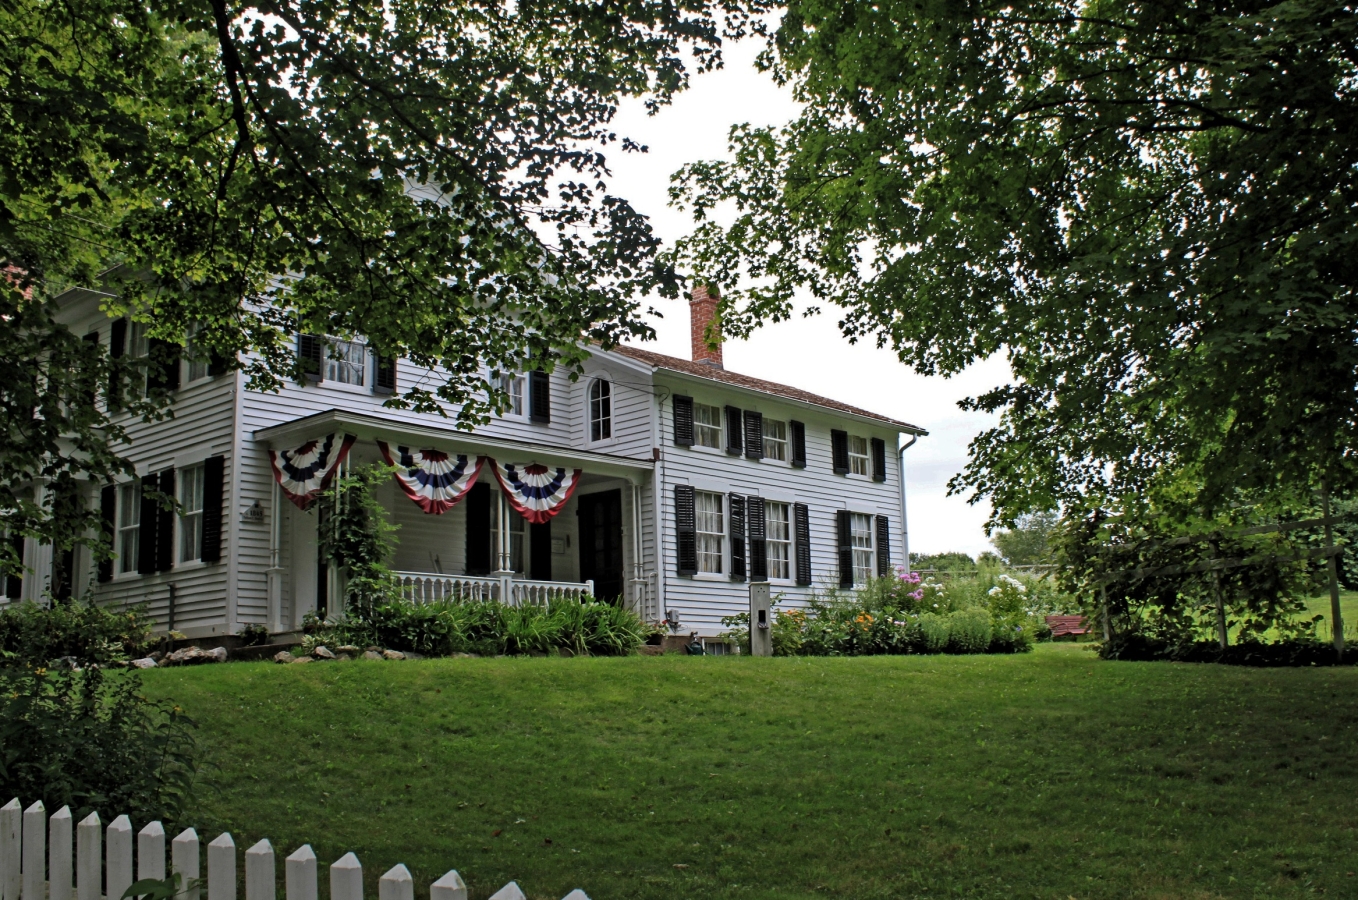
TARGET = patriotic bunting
(432,478)
(536,492)
(306,471)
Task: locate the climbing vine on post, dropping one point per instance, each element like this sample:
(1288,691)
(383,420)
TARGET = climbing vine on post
(356,537)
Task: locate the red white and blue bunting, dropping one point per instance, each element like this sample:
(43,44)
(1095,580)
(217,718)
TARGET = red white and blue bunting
(306,471)
(433,479)
(536,492)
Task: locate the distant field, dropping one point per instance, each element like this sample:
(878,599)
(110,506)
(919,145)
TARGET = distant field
(1348,608)
(1048,775)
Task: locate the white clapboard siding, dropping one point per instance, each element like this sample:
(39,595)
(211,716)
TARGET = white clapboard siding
(28,860)
(702,601)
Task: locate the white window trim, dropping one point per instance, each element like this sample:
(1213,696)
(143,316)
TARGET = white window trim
(118,572)
(612,410)
(363,386)
(791,539)
(179,518)
(725,554)
(871,549)
(721,429)
(866,456)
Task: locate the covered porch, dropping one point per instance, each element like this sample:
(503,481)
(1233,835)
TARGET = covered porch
(478,547)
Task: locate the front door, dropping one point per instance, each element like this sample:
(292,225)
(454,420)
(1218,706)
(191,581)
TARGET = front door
(601,543)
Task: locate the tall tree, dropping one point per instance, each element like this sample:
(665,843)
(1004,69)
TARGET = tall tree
(428,173)
(1150,208)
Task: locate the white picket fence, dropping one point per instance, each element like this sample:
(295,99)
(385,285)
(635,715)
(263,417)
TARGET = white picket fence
(40,861)
(429,587)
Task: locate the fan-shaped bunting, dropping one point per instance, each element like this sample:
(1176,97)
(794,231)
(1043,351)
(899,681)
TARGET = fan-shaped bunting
(304,472)
(433,479)
(536,492)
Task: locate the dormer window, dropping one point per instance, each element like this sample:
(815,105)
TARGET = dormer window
(600,410)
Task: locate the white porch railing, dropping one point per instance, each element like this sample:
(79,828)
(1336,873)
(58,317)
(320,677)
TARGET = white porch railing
(54,858)
(429,587)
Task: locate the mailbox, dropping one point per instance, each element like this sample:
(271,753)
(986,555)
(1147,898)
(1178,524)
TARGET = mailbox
(761,636)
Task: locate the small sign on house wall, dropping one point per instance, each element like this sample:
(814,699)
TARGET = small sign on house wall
(252,515)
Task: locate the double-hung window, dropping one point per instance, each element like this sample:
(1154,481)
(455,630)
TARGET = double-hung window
(191,513)
(860,535)
(198,360)
(600,410)
(347,362)
(859,463)
(707,425)
(778,538)
(775,439)
(129,526)
(512,385)
(710,531)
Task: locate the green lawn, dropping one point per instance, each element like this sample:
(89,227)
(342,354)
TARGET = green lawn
(1348,608)
(1049,775)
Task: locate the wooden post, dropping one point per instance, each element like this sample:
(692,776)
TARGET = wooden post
(35,852)
(185,862)
(118,847)
(89,864)
(60,847)
(1107,625)
(396,884)
(151,852)
(1223,639)
(260,883)
(449,887)
(346,878)
(1332,564)
(510,891)
(299,874)
(11,848)
(221,868)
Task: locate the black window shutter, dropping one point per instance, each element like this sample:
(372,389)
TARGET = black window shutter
(540,551)
(117,346)
(108,516)
(844,533)
(478,529)
(798,444)
(734,426)
(311,358)
(92,391)
(754,434)
(801,518)
(683,421)
(163,374)
(737,506)
(839,451)
(878,459)
(384,374)
(150,519)
(14,584)
(214,477)
(883,547)
(685,530)
(539,397)
(165,527)
(759,558)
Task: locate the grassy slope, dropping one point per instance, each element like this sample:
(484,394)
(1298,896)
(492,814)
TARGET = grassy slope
(1046,775)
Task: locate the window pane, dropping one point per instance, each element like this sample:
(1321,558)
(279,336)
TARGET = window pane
(860,532)
(513,386)
(858,455)
(775,439)
(707,425)
(778,539)
(191,513)
(346,362)
(129,526)
(600,411)
(711,530)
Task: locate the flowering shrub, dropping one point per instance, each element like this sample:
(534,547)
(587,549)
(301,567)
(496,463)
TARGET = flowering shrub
(904,613)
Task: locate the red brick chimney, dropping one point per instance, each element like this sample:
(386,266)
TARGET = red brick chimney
(702,311)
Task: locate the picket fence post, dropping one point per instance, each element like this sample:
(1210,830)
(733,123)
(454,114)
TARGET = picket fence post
(299,874)
(89,864)
(151,852)
(259,872)
(346,878)
(576,894)
(11,824)
(221,868)
(35,852)
(396,884)
(184,854)
(59,855)
(509,892)
(449,887)
(118,850)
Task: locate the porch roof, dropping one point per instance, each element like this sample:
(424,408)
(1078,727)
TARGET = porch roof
(373,427)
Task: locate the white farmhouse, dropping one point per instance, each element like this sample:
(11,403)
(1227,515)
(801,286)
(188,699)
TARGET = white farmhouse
(666,484)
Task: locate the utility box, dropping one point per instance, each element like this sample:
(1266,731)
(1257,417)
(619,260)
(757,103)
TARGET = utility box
(761,632)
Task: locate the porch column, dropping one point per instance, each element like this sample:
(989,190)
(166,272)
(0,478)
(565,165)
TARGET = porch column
(504,570)
(274,574)
(639,598)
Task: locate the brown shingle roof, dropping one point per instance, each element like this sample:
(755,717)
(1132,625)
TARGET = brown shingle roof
(712,373)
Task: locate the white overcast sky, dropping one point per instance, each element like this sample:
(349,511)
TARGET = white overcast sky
(810,354)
